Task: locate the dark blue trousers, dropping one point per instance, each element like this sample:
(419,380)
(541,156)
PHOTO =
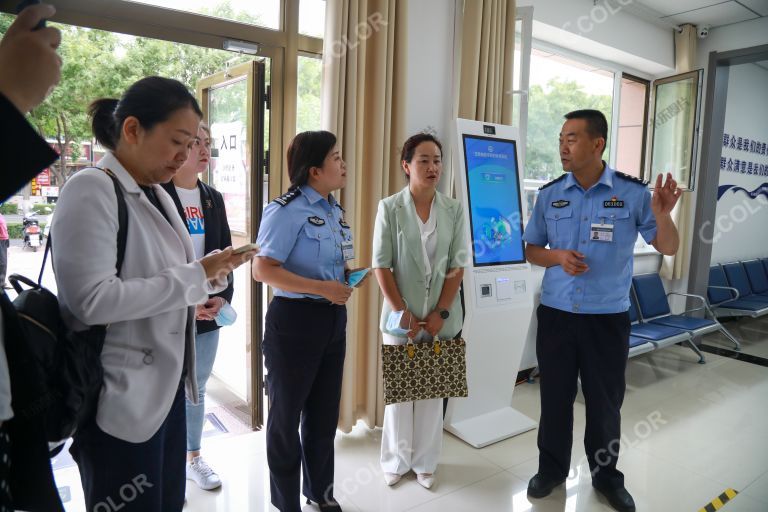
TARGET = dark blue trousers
(134,477)
(595,348)
(304,347)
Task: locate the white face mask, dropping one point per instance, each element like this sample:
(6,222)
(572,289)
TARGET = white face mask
(393,324)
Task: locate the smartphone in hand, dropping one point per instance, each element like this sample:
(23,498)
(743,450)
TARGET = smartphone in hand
(246,248)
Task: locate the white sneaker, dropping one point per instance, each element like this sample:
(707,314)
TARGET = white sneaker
(202,474)
(392,478)
(426,480)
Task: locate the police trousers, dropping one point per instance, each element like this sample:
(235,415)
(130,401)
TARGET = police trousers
(594,347)
(304,348)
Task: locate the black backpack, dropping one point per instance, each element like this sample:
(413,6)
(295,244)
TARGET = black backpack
(67,363)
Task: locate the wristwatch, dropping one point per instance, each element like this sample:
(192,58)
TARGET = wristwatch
(444,313)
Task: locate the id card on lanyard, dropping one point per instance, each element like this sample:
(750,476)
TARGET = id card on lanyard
(348,250)
(601,232)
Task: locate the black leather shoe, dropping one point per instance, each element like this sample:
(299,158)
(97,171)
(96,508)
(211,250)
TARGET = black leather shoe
(328,506)
(619,498)
(541,486)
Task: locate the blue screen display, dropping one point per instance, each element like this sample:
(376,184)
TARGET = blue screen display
(494,200)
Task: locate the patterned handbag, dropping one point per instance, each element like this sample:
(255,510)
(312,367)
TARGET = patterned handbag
(422,371)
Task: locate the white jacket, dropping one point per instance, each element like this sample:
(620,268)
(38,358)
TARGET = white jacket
(149,309)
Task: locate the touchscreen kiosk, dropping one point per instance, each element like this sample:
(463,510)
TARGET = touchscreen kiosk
(498,300)
(493,200)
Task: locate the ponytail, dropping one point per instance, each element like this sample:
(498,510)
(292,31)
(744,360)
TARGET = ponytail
(103,124)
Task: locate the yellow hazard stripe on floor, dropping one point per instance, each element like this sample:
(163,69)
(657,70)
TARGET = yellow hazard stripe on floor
(720,501)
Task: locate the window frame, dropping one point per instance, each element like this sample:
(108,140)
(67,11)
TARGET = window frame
(618,70)
(646,116)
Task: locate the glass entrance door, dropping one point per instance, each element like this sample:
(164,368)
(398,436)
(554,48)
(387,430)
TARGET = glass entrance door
(234,103)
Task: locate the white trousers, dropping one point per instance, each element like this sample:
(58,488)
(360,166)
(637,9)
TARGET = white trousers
(413,431)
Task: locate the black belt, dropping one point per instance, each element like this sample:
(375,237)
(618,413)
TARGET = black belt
(306,300)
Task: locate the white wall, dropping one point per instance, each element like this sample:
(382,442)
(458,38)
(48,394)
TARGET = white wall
(610,33)
(732,37)
(740,223)
(430,68)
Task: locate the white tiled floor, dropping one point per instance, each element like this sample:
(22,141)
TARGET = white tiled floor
(690,432)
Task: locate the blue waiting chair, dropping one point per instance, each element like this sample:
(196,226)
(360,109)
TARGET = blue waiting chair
(658,336)
(654,308)
(737,277)
(637,344)
(724,299)
(758,277)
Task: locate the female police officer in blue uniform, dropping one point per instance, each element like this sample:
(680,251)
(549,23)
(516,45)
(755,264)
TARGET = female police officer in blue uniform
(589,218)
(305,244)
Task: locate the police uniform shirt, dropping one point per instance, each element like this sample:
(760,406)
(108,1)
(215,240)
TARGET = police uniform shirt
(307,234)
(565,217)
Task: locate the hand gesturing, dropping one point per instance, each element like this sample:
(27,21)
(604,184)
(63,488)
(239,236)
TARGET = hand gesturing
(664,197)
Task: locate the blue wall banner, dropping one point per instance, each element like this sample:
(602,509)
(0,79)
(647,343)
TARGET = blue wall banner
(762,190)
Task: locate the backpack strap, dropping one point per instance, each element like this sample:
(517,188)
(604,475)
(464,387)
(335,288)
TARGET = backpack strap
(122,229)
(122,221)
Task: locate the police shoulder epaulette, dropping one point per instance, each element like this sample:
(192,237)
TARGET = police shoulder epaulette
(288,197)
(552,182)
(634,179)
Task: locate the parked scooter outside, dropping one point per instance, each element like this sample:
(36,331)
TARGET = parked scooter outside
(32,233)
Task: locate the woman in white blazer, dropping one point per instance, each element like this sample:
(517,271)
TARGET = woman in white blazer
(419,244)
(137,438)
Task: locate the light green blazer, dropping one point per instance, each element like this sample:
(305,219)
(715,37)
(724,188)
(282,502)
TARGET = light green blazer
(397,246)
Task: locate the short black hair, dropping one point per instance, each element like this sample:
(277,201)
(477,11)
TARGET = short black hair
(307,150)
(597,125)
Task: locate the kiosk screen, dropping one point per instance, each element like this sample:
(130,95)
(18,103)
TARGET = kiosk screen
(494,200)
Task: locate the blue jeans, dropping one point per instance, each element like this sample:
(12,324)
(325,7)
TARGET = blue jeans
(205,350)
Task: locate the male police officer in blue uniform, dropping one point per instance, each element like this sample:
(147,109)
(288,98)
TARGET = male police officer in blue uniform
(589,217)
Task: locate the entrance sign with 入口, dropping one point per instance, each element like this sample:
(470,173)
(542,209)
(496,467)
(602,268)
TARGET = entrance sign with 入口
(229,171)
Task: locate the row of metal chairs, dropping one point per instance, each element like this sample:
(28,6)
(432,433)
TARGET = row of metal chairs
(739,289)
(654,326)
(734,290)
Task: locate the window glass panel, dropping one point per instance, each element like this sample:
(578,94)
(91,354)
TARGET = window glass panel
(308,94)
(633,110)
(675,117)
(263,13)
(559,85)
(312,17)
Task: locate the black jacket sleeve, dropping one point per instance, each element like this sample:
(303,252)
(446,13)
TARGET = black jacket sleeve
(225,237)
(24,153)
(217,236)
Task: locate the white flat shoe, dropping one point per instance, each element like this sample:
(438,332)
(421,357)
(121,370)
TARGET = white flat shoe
(426,480)
(392,478)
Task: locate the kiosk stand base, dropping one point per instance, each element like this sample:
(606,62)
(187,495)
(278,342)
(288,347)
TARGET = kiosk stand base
(491,427)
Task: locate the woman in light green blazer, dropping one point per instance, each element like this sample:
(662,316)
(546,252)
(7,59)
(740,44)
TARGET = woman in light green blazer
(419,249)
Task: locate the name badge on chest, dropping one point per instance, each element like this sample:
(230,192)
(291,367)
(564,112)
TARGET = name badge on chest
(601,233)
(348,250)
